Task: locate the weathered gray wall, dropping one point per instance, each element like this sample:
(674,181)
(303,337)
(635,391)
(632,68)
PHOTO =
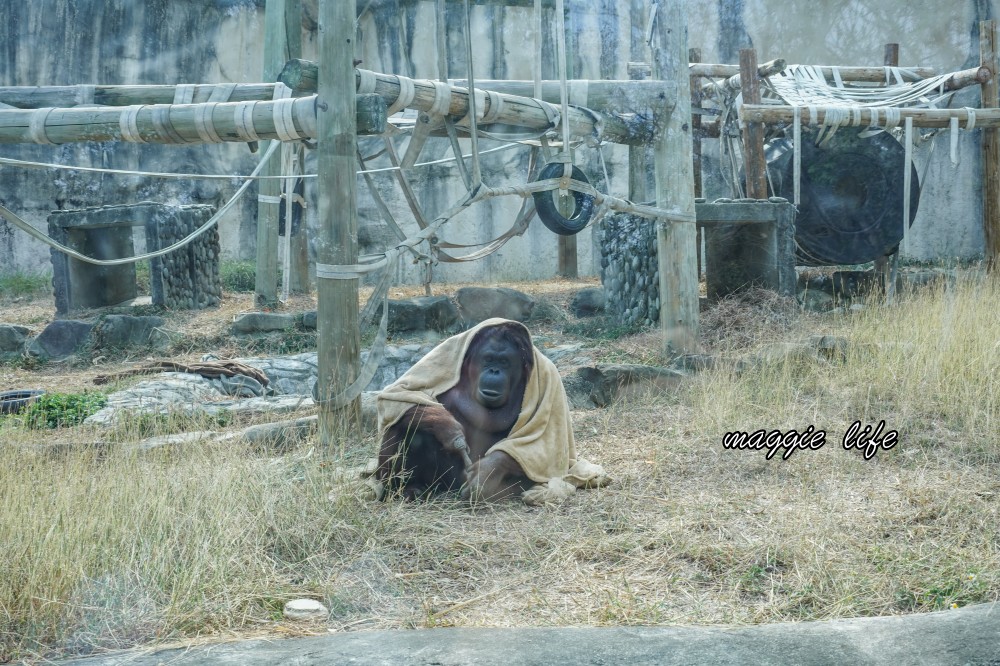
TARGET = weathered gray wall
(177,41)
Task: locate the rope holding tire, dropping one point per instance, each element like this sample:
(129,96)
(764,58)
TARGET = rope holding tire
(545,204)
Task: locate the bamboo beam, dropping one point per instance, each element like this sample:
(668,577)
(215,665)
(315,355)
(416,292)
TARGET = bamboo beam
(989,54)
(37,97)
(753,133)
(869,74)
(734,82)
(339,344)
(516,110)
(774,115)
(105,123)
(596,94)
(675,242)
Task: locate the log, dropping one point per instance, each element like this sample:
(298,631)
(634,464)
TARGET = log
(622,96)
(753,133)
(517,110)
(105,123)
(37,97)
(773,115)
(989,53)
(869,74)
(734,82)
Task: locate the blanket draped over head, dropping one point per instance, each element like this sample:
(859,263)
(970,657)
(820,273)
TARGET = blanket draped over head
(541,440)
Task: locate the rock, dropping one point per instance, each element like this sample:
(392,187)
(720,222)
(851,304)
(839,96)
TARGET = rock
(61,338)
(816,301)
(304,610)
(122,331)
(588,302)
(282,436)
(309,320)
(851,284)
(175,441)
(425,313)
(694,362)
(612,382)
(830,347)
(262,322)
(239,386)
(13,338)
(476,304)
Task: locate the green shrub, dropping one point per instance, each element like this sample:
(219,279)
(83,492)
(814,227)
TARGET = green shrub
(60,410)
(238,275)
(24,284)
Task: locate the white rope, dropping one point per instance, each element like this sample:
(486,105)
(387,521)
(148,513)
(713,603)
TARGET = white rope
(495,107)
(36,126)
(442,99)
(128,124)
(405,97)
(970,123)
(212,221)
(907,161)
(184,93)
(366,85)
(284,123)
(953,133)
(204,124)
(243,119)
(221,92)
(797,155)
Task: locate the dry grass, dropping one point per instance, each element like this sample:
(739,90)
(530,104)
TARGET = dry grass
(105,548)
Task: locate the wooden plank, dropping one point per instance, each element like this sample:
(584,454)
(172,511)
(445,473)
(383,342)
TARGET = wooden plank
(774,114)
(754,163)
(515,109)
(339,344)
(989,53)
(675,185)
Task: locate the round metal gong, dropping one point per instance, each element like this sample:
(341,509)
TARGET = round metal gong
(851,208)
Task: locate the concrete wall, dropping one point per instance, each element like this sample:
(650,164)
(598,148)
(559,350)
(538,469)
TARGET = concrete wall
(177,41)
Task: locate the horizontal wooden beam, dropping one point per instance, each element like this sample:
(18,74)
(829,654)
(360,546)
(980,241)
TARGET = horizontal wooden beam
(771,114)
(870,74)
(516,110)
(178,123)
(37,97)
(597,94)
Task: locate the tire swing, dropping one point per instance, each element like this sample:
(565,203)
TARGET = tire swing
(548,213)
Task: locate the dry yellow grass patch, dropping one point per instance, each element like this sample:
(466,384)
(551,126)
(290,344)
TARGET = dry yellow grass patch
(106,548)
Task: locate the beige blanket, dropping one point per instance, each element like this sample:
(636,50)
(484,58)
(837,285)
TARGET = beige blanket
(541,440)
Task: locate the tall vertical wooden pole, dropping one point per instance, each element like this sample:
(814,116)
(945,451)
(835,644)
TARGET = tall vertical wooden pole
(694,55)
(567,244)
(639,156)
(676,249)
(268,203)
(299,242)
(989,53)
(337,313)
(753,133)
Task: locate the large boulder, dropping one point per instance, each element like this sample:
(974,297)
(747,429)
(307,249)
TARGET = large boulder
(61,338)
(13,339)
(476,304)
(588,302)
(424,313)
(263,322)
(121,331)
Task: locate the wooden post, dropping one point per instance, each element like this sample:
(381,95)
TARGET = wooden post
(639,155)
(753,133)
(883,270)
(675,242)
(269,191)
(567,244)
(694,55)
(299,242)
(990,59)
(337,243)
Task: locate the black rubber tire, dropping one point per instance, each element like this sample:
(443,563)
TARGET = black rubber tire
(545,205)
(12,402)
(852,196)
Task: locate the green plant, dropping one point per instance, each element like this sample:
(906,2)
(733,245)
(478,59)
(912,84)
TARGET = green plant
(16,285)
(238,275)
(60,410)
